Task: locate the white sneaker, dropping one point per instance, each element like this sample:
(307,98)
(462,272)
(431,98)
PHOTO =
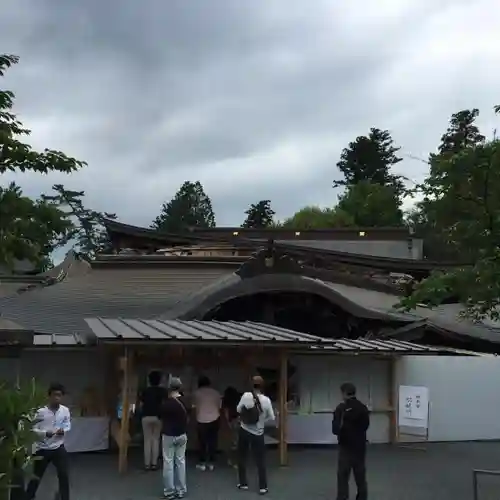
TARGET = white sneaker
(201,467)
(263,491)
(211,467)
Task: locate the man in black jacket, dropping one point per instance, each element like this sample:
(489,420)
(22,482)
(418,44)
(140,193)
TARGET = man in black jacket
(351,420)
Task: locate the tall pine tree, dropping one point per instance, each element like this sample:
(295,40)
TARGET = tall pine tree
(370,158)
(462,133)
(87,233)
(190,207)
(259,215)
(442,206)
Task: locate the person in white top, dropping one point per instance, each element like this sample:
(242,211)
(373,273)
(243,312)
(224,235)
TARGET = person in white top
(52,422)
(255,411)
(207,403)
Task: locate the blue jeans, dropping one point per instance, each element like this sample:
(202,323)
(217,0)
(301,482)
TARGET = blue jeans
(174,464)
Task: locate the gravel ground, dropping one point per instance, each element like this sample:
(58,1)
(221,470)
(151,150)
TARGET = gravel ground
(442,472)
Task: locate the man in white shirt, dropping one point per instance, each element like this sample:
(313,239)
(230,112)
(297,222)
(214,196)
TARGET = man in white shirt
(251,434)
(52,422)
(207,403)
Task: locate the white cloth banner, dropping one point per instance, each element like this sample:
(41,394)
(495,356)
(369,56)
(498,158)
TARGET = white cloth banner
(413,406)
(87,434)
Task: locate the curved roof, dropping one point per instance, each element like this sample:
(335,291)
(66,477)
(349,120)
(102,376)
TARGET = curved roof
(188,294)
(360,302)
(357,301)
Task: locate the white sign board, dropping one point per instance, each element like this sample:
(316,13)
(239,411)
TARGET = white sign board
(413,406)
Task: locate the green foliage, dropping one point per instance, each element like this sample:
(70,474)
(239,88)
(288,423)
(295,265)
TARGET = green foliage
(370,158)
(318,218)
(462,200)
(259,215)
(16,155)
(18,406)
(440,207)
(371,205)
(28,228)
(462,133)
(190,207)
(86,227)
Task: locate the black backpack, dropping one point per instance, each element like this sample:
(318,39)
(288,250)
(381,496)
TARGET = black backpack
(250,416)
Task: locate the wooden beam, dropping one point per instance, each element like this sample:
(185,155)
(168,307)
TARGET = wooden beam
(126,366)
(283,410)
(392,401)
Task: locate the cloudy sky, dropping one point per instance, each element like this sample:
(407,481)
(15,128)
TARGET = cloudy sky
(256,99)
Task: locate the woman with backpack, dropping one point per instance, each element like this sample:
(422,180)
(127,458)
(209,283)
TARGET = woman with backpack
(255,410)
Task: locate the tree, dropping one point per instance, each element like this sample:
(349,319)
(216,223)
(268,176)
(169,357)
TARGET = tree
(27,226)
(429,219)
(370,158)
(29,229)
(462,133)
(318,218)
(86,226)
(259,215)
(18,406)
(190,207)
(462,192)
(371,205)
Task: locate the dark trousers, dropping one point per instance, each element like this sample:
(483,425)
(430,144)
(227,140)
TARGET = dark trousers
(59,458)
(208,437)
(17,491)
(355,461)
(246,442)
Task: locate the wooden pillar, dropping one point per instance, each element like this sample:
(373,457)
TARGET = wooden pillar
(283,410)
(392,401)
(126,366)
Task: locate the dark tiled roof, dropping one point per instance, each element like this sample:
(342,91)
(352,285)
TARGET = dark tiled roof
(185,331)
(251,234)
(13,284)
(445,317)
(136,292)
(8,325)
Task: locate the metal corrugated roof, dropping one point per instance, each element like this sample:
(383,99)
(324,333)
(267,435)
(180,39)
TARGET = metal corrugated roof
(189,331)
(59,340)
(230,332)
(362,345)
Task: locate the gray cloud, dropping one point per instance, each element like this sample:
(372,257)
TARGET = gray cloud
(255,99)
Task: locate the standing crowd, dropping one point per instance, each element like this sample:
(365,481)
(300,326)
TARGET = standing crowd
(166,415)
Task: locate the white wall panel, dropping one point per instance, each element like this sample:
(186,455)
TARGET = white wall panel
(320,378)
(463,392)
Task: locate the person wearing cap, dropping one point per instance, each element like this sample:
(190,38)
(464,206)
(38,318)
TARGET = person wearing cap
(251,435)
(174,417)
(351,420)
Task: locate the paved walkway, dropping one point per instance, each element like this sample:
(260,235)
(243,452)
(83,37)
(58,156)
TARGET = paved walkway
(443,472)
